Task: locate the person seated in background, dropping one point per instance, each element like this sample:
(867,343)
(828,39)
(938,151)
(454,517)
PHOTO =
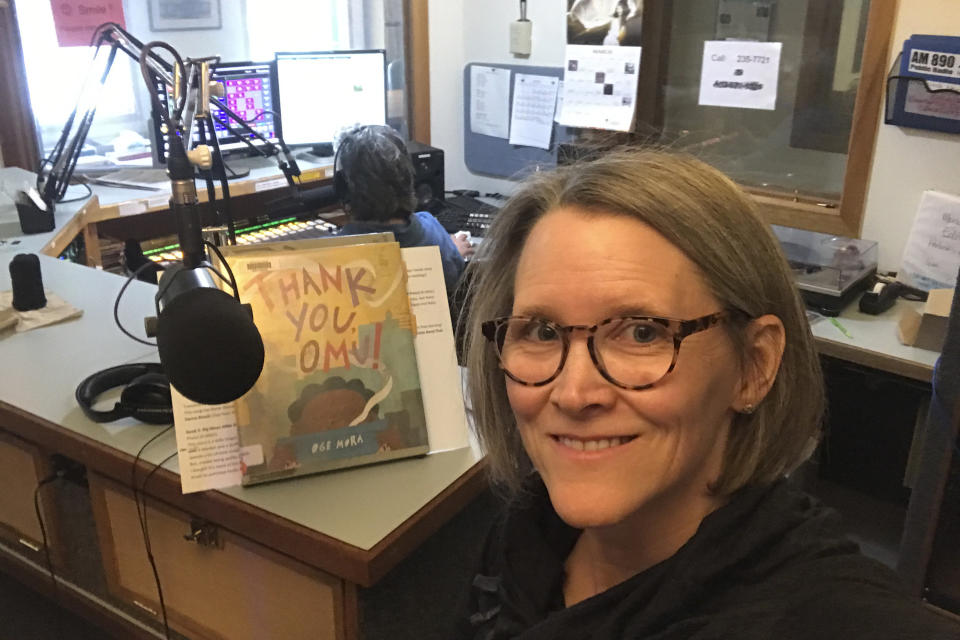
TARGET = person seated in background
(643,379)
(374,178)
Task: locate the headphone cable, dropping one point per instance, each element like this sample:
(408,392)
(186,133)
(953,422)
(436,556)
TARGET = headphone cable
(116,305)
(142,517)
(58,622)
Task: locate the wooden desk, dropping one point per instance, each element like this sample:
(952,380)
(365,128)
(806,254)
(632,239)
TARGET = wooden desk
(109,203)
(335,530)
(874,342)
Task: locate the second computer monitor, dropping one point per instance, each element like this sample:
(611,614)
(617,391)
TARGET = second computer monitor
(247,92)
(321,93)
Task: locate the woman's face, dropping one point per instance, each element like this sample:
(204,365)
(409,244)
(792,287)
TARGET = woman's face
(668,440)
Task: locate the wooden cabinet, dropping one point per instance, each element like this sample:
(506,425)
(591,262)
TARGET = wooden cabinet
(223,586)
(22,467)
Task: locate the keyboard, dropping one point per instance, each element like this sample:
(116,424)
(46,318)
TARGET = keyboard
(463,213)
(168,252)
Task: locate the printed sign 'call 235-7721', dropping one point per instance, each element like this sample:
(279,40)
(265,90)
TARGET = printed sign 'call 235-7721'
(740,74)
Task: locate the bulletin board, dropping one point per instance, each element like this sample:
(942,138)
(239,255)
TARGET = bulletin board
(496,156)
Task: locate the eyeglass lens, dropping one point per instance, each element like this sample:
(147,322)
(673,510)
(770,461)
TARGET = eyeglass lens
(633,351)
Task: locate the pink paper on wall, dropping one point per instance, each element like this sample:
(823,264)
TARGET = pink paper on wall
(76,20)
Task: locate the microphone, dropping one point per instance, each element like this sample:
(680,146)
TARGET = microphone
(209,347)
(184,202)
(304,200)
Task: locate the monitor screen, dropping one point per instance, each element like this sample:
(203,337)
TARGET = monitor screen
(247,91)
(321,93)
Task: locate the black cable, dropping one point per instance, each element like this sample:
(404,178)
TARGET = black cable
(46,550)
(148,79)
(116,304)
(97,38)
(261,114)
(219,166)
(223,209)
(144,528)
(226,265)
(79,198)
(133,472)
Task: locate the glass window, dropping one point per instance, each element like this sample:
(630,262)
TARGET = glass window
(799,147)
(807,160)
(321,25)
(250,30)
(55,77)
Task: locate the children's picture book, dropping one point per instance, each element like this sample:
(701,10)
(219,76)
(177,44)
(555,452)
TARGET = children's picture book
(340,385)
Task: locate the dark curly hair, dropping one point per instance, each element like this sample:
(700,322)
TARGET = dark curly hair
(376,173)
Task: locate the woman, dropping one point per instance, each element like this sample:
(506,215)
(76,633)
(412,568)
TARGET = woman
(643,378)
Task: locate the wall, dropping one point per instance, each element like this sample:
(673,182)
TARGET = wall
(906,162)
(230,41)
(463,31)
(910,161)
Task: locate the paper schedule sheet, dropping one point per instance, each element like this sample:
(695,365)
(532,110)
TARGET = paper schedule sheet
(600,87)
(534,106)
(932,255)
(490,101)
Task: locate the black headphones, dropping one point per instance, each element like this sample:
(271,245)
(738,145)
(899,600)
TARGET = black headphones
(340,185)
(145,396)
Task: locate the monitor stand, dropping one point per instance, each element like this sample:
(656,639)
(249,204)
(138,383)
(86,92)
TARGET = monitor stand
(233,174)
(322,150)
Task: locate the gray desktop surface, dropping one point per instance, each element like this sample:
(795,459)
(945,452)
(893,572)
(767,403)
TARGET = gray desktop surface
(873,342)
(40,369)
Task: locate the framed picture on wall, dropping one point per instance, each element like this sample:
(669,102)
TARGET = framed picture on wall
(182,15)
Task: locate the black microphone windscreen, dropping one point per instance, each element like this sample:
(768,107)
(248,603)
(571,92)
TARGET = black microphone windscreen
(27,283)
(210,349)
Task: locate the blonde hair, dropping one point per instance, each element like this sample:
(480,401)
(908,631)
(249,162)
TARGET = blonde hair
(706,216)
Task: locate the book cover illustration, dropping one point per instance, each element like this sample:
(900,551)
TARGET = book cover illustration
(340,385)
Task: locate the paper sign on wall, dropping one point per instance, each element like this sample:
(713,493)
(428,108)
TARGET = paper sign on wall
(740,74)
(76,20)
(932,255)
(600,87)
(534,105)
(490,101)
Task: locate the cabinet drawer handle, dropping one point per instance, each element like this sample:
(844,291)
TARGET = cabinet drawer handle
(149,610)
(204,533)
(27,543)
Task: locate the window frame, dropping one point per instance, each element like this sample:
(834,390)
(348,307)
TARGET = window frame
(19,140)
(839,217)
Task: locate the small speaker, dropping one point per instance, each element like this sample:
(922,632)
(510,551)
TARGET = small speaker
(27,283)
(428,182)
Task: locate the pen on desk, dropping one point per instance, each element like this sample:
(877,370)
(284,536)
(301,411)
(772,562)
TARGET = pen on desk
(842,329)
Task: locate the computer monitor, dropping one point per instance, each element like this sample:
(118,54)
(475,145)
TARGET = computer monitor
(247,91)
(321,93)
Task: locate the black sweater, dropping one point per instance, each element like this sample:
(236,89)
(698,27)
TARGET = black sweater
(772,563)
